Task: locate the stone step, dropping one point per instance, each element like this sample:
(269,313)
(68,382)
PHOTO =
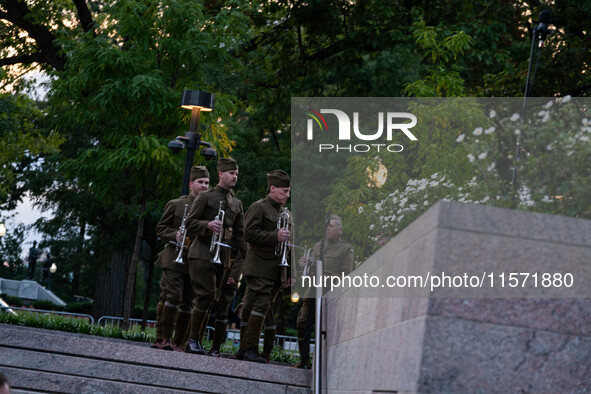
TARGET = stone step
(52,361)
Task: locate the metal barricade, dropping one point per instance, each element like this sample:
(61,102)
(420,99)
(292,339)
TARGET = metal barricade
(116,321)
(285,342)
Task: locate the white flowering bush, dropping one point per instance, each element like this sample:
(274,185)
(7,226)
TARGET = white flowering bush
(550,171)
(401,207)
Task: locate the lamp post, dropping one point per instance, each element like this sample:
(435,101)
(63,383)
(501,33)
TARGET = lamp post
(3,233)
(196,101)
(539,35)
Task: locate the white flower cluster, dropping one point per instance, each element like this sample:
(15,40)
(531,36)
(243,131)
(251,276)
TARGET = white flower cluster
(401,207)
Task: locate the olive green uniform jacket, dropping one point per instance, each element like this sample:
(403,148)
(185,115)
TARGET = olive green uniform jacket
(204,209)
(167,229)
(338,257)
(261,235)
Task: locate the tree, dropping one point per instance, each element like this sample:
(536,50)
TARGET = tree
(11,264)
(118,68)
(23,140)
(117,77)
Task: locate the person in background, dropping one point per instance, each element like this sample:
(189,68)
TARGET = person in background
(46,280)
(33,256)
(338,259)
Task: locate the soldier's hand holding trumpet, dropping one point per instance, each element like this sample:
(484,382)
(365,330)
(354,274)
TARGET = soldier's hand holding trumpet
(283,235)
(215,226)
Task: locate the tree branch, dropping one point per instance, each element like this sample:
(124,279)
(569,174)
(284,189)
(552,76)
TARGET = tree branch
(84,15)
(36,57)
(18,13)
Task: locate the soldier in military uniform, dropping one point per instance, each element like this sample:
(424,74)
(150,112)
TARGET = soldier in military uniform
(222,302)
(175,282)
(338,259)
(207,277)
(261,266)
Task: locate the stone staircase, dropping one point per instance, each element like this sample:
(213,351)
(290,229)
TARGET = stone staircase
(37,360)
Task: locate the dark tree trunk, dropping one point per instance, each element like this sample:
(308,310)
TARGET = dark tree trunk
(128,301)
(148,291)
(108,294)
(80,258)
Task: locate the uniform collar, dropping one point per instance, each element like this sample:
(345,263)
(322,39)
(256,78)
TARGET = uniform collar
(222,190)
(191,198)
(273,203)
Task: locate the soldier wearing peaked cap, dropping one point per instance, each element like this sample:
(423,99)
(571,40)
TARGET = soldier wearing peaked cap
(262,269)
(176,290)
(338,258)
(202,223)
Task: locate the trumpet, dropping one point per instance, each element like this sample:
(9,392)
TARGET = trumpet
(310,258)
(180,246)
(217,238)
(281,248)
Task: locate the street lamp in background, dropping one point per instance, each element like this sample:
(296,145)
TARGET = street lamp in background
(196,101)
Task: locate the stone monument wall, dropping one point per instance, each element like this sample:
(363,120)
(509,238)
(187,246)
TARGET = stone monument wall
(483,339)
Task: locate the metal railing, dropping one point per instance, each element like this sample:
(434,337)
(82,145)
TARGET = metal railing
(72,315)
(285,342)
(116,321)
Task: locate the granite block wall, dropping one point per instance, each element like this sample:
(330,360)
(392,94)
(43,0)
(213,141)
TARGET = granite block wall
(483,339)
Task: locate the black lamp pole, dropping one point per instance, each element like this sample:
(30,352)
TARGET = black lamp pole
(193,143)
(196,101)
(541,31)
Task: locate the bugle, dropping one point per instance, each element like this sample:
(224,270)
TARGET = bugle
(180,246)
(309,258)
(282,247)
(217,238)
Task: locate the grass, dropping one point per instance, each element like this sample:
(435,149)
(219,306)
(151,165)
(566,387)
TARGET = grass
(76,325)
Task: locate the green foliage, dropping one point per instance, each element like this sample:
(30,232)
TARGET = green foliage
(439,52)
(73,324)
(23,140)
(355,196)
(553,175)
(12,300)
(552,172)
(10,253)
(113,103)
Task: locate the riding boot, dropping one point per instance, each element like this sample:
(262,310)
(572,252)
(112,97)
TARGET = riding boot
(197,320)
(219,335)
(168,318)
(304,346)
(268,341)
(158,343)
(250,345)
(181,331)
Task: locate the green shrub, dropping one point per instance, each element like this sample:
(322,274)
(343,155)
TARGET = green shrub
(46,305)
(11,300)
(84,307)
